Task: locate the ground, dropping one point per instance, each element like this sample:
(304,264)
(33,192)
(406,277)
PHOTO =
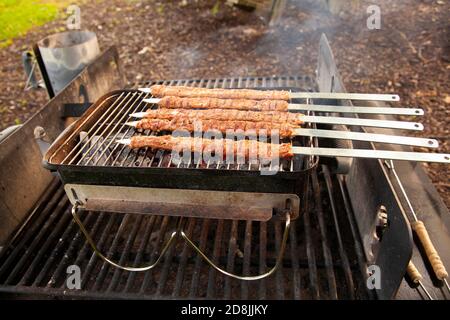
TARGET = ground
(409,55)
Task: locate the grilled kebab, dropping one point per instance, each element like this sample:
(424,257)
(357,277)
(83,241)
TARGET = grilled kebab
(243,148)
(191,92)
(284,130)
(223,115)
(171,102)
(181,91)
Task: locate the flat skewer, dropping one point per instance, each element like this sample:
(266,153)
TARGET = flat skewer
(344,96)
(364,122)
(390,124)
(358,136)
(374,154)
(339,109)
(355,153)
(370,137)
(310,95)
(356,109)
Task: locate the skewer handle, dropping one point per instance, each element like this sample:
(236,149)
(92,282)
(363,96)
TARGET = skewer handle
(364,122)
(344,96)
(338,109)
(373,154)
(355,109)
(371,137)
(430,250)
(413,272)
(331,95)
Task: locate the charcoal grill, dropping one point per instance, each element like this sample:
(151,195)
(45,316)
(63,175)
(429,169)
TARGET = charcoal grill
(327,252)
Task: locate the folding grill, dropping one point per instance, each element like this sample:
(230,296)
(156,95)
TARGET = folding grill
(341,229)
(100,173)
(90,161)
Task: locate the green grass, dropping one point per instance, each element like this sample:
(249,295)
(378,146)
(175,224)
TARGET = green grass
(18,16)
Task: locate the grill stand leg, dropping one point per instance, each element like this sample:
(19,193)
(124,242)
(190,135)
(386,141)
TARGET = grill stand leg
(180,232)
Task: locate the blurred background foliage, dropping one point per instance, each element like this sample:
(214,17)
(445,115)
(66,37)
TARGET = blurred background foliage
(18,16)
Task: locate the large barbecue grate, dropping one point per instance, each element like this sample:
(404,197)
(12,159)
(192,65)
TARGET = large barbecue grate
(323,258)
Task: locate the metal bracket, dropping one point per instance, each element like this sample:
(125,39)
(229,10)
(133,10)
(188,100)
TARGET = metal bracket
(29,65)
(184,202)
(74,109)
(42,139)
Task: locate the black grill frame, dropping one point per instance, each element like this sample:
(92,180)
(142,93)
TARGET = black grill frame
(139,167)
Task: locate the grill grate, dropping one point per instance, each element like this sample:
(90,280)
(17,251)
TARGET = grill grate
(323,258)
(98,147)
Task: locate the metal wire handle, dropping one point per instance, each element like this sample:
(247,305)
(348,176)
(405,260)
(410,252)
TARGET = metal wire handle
(187,240)
(246,278)
(104,258)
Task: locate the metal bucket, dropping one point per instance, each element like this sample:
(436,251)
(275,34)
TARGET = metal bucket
(66,54)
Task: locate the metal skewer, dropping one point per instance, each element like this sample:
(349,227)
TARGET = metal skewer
(371,137)
(340,109)
(344,96)
(405,125)
(126,142)
(362,153)
(331,95)
(364,122)
(356,109)
(358,136)
(374,154)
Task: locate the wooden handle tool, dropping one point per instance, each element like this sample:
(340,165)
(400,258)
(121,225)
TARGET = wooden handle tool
(422,233)
(436,262)
(416,277)
(413,273)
